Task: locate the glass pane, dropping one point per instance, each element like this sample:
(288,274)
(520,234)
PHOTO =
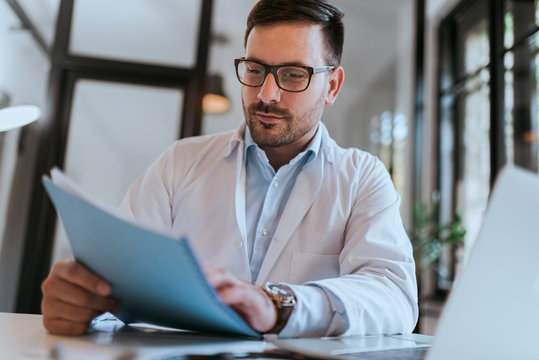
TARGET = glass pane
(475,182)
(146,31)
(509,29)
(472,40)
(476,48)
(116,131)
(474,120)
(447,157)
(520,19)
(447,76)
(521,93)
(43,14)
(446,181)
(509,106)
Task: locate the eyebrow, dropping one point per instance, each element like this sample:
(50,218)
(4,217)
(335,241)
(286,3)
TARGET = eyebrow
(283,64)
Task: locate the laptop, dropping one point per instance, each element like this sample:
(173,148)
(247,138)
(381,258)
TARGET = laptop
(493,309)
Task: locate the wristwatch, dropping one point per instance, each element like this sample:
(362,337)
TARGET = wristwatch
(284,300)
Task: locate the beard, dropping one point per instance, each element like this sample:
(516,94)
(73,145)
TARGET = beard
(286,131)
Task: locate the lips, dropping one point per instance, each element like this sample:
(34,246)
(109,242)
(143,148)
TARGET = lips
(268,118)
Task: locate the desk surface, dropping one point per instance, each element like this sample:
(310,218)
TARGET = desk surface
(23,337)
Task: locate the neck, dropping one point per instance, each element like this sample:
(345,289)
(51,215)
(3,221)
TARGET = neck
(281,155)
(278,156)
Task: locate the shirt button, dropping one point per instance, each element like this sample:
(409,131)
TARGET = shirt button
(238,244)
(275,183)
(264,232)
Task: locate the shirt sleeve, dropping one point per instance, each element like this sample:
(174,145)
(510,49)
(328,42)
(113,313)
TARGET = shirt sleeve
(317,314)
(376,290)
(148,199)
(377,283)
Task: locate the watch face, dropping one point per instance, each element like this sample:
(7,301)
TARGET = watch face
(283,293)
(277,290)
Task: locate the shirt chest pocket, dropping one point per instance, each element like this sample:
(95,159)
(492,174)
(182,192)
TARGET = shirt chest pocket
(309,267)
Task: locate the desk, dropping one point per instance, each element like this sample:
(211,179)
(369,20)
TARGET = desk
(22,337)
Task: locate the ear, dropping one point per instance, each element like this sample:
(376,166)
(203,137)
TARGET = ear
(336,79)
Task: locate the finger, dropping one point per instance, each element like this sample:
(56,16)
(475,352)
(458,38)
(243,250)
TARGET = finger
(59,310)
(248,297)
(252,304)
(57,289)
(65,327)
(234,295)
(76,273)
(221,278)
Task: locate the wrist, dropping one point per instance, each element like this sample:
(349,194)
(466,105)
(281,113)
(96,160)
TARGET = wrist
(284,301)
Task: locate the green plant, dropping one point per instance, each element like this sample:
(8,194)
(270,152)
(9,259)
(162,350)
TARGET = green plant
(429,236)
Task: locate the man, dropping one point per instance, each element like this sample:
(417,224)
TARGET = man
(300,236)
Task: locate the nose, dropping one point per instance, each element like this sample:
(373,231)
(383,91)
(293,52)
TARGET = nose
(269,91)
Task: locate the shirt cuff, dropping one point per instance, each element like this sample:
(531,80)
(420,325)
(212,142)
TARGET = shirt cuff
(313,314)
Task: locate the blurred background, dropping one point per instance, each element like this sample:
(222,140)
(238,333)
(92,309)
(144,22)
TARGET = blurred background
(443,91)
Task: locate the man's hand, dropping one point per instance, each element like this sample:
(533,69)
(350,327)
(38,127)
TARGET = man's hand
(72,297)
(249,301)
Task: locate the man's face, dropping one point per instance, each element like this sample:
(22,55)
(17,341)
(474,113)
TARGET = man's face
(275,117)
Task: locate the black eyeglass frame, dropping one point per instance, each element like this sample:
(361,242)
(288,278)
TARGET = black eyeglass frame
(273,70)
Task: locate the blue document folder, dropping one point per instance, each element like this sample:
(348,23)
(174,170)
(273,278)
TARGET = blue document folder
(156,278)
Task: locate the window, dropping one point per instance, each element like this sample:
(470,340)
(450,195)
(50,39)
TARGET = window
(521,42)
(117,89)
(487,107)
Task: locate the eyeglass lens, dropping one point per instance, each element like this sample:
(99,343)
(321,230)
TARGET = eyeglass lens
(291,78)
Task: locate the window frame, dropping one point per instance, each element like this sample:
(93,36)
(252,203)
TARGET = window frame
(448,38)
(66,69)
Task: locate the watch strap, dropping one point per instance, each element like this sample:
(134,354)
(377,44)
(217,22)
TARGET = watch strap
(284,300)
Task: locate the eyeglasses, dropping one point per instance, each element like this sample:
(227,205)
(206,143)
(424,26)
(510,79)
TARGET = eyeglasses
(293,78)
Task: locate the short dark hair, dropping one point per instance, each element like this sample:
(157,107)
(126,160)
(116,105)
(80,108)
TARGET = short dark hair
(316,12)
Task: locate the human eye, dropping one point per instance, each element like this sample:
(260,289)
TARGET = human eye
(293,74)
(254,69)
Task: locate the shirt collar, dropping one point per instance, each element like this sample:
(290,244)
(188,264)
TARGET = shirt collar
(321,141)
(237,139)
(249,142)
